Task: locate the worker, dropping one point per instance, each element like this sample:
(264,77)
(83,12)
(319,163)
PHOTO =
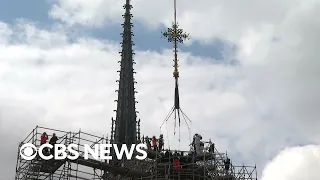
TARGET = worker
(166,156)
(193,142)
(161,143)
(211,148)
(44,138)
(176,163)
(201,147)
(197,141)
(176,154)
(227,164)
(53,141)
(148,142)
(154,143)
(181,153)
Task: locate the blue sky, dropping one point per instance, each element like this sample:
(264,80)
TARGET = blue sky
(33,9)
(144,38)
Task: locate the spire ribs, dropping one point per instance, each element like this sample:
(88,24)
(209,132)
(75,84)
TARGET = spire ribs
(124,130)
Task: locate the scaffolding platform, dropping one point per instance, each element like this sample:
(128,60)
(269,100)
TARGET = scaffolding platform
(68,169)
(187,165)
(158,165)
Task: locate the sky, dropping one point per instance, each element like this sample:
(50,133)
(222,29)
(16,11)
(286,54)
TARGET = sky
(248,75)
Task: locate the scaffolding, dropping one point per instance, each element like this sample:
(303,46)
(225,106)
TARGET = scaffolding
(81,168)
(210,164)
(159,165)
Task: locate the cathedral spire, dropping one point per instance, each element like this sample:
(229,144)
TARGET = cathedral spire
(124,130)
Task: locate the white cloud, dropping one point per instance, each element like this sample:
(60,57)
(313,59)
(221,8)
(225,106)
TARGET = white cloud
(205,20)
(87,12)
(5,32)
(254,110)
(50,81)
(296,163)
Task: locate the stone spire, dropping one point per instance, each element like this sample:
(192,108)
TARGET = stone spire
(124,127)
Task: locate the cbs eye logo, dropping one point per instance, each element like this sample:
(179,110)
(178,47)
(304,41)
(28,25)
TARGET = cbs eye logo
(28,151)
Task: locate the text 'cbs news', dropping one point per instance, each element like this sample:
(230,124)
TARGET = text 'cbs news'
(98,152)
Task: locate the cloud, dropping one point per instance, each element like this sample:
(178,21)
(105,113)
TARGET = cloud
(87,12)
(267,103)
(289,69)
(51,80)
(294,163)
(204,20)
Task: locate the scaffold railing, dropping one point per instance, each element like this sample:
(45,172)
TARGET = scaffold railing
(158,165)
(206,165)
(59,169)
